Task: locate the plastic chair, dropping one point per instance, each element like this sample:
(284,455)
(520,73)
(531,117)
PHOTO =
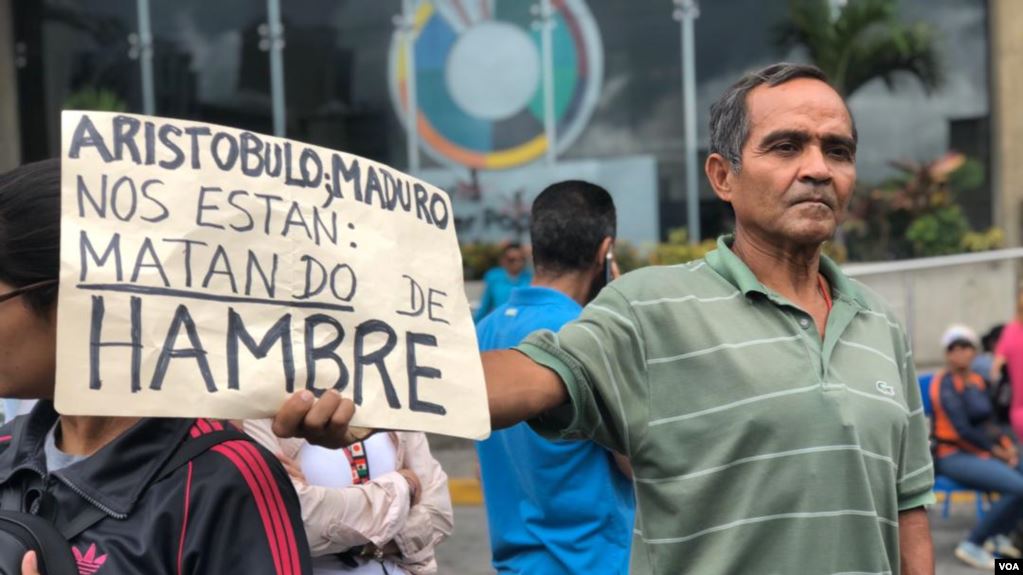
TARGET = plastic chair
(943,484)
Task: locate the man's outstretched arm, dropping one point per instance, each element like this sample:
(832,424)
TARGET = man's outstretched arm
(518,388)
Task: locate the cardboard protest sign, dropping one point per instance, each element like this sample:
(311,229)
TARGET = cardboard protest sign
(208,271)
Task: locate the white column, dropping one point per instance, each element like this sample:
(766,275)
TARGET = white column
(146,58)
(687,11)
(407,24)
(545,21)
(276,45)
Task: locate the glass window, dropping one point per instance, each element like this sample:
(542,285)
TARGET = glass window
(336,90)
(77,55)
(211,62)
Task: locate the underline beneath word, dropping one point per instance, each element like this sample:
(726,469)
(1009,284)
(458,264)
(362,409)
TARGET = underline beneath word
(186,294)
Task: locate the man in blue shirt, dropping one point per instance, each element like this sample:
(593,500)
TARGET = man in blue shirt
(499,282)
(556,507)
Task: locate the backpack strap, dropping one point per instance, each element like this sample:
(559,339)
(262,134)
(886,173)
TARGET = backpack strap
(187,451)
(196,446)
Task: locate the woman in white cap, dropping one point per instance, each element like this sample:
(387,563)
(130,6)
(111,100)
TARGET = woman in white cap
(971,449)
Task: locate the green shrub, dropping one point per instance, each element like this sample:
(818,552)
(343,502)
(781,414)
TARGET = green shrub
(478,257)
(95,99)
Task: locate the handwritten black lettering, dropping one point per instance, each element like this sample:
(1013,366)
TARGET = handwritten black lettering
(96,343)
(113,250)
(279,332)
(165,133)
(164,212)
(224,162)
(416,372)
(182,319)
(125,128)
(326,350)
(86,135)
(146,251)
(375,358)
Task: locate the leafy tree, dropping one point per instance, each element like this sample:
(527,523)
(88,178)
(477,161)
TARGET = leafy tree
(865,41)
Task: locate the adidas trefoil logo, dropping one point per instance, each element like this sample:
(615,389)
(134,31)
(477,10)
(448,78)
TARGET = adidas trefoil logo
(88,563)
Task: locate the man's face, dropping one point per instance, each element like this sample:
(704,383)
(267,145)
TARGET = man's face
(960,355)
(798,164)
(513,261)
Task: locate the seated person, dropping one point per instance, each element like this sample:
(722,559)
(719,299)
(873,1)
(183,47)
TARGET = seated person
(972,450)
(207,516)
(379,506)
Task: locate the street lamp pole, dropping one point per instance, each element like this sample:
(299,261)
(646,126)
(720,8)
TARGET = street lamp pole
(544,12)
(145,45)
(275,44)
(407,24)
(686,12)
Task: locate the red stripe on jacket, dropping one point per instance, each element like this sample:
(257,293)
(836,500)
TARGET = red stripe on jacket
(263,467)
(184,523)
(269,503)
(277,508)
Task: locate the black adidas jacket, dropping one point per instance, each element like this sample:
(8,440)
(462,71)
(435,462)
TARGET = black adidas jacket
(230,510)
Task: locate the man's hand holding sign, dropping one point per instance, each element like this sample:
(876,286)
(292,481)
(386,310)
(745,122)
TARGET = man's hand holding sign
(208,271)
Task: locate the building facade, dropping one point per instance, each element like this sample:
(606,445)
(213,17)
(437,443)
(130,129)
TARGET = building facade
(348,74)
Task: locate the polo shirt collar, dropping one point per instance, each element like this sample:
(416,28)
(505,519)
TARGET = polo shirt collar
(539,295)
(728,265)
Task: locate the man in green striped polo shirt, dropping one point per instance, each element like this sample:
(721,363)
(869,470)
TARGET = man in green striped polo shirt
(768,403)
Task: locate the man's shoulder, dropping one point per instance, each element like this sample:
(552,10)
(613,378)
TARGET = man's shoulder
(873,301)
(229,464)
(509,324)
(669,281)
(494,274)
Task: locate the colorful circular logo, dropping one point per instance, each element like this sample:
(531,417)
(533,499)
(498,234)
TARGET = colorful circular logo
(479,79)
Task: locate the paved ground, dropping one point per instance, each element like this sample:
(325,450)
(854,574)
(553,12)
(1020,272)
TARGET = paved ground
(467,552)
(947,533)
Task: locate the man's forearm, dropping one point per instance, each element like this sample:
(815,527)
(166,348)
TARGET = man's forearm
(518,388)
(915,546)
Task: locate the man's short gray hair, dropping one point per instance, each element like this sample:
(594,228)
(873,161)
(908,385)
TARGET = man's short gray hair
(729,116)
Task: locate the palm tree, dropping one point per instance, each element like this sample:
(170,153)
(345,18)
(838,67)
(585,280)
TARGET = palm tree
(864,41)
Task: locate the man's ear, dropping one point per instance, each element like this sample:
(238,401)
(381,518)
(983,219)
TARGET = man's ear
(719,172)
(605,246)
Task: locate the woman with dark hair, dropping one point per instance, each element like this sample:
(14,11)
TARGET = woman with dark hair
(229,509)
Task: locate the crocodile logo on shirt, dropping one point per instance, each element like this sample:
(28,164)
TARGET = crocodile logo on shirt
(884,388)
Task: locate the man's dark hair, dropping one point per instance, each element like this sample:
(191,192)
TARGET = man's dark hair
(509,247)
(569,220)
(729,115)
(30,229)
(990,339)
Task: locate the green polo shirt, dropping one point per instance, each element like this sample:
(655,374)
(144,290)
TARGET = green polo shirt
(758,446)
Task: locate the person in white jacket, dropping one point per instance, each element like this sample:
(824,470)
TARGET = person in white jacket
(377,507)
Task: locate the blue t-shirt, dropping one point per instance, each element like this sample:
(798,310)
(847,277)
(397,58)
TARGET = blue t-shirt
(497,288)
(553,507)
